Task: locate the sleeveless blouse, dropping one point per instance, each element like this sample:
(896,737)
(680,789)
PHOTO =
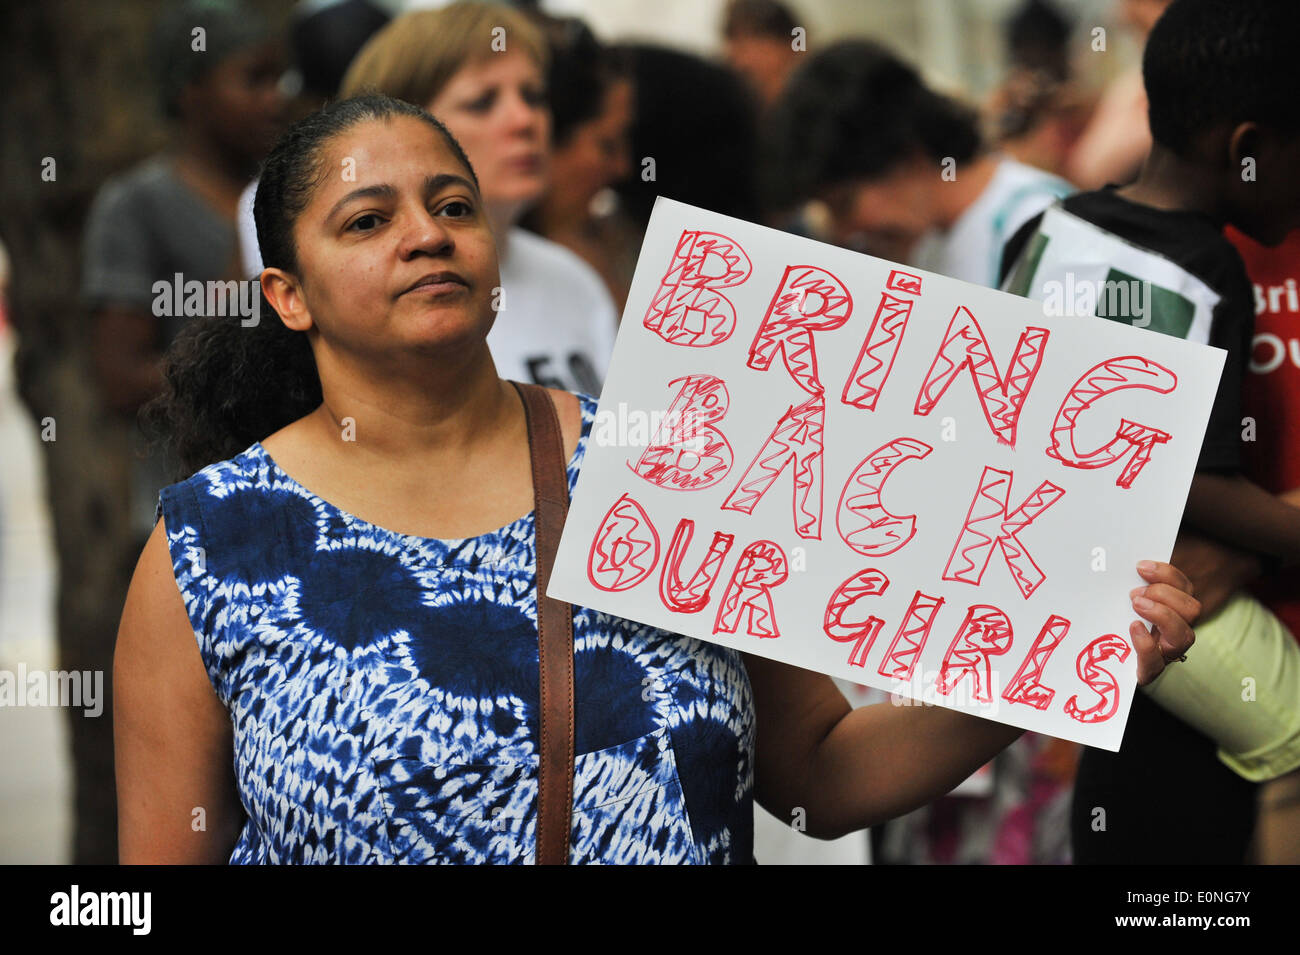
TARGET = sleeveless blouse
(383,690)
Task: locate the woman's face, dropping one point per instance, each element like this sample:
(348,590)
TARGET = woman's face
(496,107)
(598,152)
(395,209)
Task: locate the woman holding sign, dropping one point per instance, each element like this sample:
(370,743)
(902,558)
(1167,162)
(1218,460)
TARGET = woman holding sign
(331,642)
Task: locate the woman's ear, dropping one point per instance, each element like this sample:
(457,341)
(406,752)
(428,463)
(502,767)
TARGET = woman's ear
(283,291)
(1243,145)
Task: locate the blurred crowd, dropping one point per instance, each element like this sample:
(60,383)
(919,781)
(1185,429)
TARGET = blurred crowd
(573,137)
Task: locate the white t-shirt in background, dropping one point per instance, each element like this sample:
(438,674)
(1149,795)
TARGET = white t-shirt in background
(558,323)
(972,249)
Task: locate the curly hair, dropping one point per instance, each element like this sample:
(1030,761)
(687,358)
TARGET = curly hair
(227,384)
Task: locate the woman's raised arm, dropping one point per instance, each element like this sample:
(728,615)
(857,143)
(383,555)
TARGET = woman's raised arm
(176,795)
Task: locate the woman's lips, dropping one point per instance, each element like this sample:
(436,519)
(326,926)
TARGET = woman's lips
(437,288)
(433,284)
(525,164)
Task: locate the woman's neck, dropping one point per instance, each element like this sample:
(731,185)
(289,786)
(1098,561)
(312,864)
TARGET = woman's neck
(413,414)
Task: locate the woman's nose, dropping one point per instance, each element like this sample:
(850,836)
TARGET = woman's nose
(424,233)
(523,114)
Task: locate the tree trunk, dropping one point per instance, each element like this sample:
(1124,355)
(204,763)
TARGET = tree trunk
(77,94)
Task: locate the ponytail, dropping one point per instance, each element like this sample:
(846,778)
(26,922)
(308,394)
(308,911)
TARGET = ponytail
(227,386)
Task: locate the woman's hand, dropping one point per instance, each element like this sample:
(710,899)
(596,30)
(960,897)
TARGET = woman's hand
(1167,603)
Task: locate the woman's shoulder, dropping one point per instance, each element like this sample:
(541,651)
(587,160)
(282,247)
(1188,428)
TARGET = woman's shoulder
(242,465)
(185,501)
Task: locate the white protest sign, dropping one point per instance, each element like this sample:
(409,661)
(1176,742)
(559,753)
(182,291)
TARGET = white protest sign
(883,474)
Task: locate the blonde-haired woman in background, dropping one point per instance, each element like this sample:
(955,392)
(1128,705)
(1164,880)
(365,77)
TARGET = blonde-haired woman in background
(481,68)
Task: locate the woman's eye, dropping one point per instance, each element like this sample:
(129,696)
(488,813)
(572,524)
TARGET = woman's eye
(363,223)
(458,208)
(483,103)
(535,97)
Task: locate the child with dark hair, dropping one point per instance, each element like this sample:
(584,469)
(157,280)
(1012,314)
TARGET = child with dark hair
(331,640)
(1220,78)
(901,169)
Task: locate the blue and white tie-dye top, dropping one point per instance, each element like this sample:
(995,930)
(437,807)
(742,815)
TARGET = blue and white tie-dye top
(383,690)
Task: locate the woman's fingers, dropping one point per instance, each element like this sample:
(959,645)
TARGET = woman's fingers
(1170,629)
(1156,572)
(1180,602)
(1150,661)
(1166,602)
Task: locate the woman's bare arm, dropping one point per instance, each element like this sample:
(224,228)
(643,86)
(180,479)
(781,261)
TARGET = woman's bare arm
(848,769)
(171,734)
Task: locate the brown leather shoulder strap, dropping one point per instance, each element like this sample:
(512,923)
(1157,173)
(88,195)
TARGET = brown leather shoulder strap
(554,629)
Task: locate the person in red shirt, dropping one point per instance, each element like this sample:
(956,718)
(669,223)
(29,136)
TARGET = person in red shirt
(1271,400)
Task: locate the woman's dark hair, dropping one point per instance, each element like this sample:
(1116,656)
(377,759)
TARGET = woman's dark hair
(1038,37)
(227,385)
(326,39)
(581,73)
(698,123)
(855,111)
